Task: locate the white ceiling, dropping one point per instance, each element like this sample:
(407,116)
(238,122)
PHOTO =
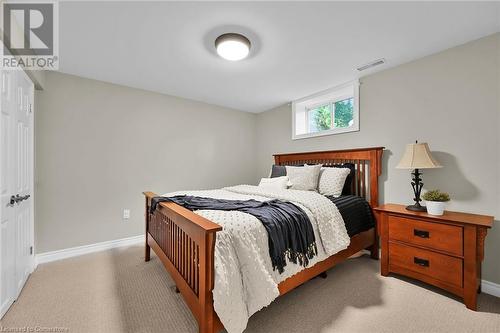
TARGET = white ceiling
(299,48)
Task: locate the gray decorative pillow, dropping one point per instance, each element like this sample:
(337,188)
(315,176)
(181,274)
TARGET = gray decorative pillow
(277,171)
(304,177)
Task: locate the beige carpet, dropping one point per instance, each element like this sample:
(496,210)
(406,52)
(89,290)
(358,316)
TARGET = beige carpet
(116,291)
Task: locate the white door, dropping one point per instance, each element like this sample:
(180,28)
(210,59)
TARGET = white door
(23,173)
(7,224)
(16,185)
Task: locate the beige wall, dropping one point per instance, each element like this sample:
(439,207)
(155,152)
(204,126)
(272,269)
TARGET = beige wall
(449,100)
(98,146)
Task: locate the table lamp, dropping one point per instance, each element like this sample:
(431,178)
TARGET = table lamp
(417,156)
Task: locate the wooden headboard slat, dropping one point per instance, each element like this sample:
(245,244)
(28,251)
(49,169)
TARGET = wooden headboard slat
(367,161)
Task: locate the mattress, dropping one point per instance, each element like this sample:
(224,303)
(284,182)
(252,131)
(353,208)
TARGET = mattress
(356,212)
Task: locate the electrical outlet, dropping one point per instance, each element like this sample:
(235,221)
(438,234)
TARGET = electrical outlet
(126,214)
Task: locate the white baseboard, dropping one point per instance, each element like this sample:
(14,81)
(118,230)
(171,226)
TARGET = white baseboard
(490,288)
(85,249)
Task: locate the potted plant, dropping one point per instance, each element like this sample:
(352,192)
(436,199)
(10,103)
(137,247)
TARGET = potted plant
(435,201)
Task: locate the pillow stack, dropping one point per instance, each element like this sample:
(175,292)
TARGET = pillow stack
(331,181)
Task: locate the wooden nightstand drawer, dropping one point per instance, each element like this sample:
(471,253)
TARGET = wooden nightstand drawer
(443,237)
(437,266)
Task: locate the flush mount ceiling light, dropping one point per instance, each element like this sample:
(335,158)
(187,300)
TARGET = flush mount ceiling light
(232,46)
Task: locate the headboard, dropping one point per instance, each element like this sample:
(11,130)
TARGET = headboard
(367,161)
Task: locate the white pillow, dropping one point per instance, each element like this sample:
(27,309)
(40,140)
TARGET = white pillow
(331,180)
(304,177)
(277,183)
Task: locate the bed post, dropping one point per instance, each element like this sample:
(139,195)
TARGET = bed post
(375,172)
(147,248)
(207,272)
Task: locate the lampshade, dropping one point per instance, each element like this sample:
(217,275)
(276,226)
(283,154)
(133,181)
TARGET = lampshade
(418,156)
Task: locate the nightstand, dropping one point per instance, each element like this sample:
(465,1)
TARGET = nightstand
(445,251)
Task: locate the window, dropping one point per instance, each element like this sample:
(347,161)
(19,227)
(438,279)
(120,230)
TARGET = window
(330,112)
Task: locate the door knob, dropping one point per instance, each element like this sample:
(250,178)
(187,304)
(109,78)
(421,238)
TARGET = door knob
(15,199)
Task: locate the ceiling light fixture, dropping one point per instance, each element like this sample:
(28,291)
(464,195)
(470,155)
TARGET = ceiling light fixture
(232,46)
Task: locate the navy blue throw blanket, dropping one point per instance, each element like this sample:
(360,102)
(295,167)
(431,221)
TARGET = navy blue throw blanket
(290,232)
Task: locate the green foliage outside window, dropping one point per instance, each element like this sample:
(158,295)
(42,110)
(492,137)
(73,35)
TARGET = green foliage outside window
(320,118)
(323,118)
(343,113)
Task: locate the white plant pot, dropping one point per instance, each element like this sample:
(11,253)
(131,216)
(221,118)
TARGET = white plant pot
(435,207)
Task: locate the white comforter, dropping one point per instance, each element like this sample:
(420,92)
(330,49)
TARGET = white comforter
(245,281)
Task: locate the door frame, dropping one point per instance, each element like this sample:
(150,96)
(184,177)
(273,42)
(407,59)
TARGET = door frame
(31,168)
(31,174)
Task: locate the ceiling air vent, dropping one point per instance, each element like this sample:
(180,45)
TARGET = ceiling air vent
(372,64)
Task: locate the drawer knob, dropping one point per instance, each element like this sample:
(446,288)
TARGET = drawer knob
(421,262)
(421,233)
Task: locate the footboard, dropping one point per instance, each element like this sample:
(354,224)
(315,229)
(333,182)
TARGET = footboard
(184,242)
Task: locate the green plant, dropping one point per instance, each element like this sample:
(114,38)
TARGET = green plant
(436,195)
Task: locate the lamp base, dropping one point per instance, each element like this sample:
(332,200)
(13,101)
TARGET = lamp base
(416,208)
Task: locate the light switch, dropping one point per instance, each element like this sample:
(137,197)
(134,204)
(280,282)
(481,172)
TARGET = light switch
(126,214)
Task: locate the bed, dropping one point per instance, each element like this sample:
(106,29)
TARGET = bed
(185,241)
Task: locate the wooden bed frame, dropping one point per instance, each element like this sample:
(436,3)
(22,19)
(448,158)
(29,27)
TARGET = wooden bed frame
(184,241)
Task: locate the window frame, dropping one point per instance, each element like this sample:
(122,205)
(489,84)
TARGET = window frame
(323,98)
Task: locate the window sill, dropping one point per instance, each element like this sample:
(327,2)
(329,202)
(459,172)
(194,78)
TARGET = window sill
(353,128)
